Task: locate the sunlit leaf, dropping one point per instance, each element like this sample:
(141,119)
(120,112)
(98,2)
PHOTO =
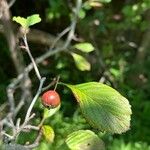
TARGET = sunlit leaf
(48,133)
(82,14)
(103,107)
(86,5)
(115,72)
(31,20)
(104,1)
(84,47)
(84,140)
(95,4)
(81,63)
(22,21)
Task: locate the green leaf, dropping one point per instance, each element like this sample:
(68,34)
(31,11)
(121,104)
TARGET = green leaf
(95,4)
(115,72)
(81,63)
(50,112)
(105,1)
(86,5)
(21,20)
(27,22)
(48,133)
(82,14)
(84,139)
(103,107)
(84,47)
(31,20)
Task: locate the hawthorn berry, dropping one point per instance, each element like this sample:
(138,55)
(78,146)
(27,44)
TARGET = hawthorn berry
(50,99)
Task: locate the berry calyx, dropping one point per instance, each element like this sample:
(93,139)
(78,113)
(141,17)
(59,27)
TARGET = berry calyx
(50,99)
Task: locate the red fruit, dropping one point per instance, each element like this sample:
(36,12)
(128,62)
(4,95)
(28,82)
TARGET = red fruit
(50,99)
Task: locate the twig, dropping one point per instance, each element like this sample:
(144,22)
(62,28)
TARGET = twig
(73,24)
(48,86)
(56,82)
(3,106)
(31,57)
(31,127)
(19,106)
(34,99)
(41,123)
(60,36)
(10,94)
(36,142)
(11,3)
(18,123)
(9,136)
(6,122)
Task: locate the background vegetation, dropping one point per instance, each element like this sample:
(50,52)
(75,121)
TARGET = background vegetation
(120,33)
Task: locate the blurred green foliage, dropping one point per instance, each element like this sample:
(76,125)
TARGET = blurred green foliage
(117,30)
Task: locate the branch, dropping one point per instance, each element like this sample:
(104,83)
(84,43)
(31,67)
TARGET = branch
(34,99)
(31,57)
(45,38)
(73,24)
(59,37)
(11,3)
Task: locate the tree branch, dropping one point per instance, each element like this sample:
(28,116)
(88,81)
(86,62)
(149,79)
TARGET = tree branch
(34,99)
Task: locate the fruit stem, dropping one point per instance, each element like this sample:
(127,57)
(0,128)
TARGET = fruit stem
(57,80)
